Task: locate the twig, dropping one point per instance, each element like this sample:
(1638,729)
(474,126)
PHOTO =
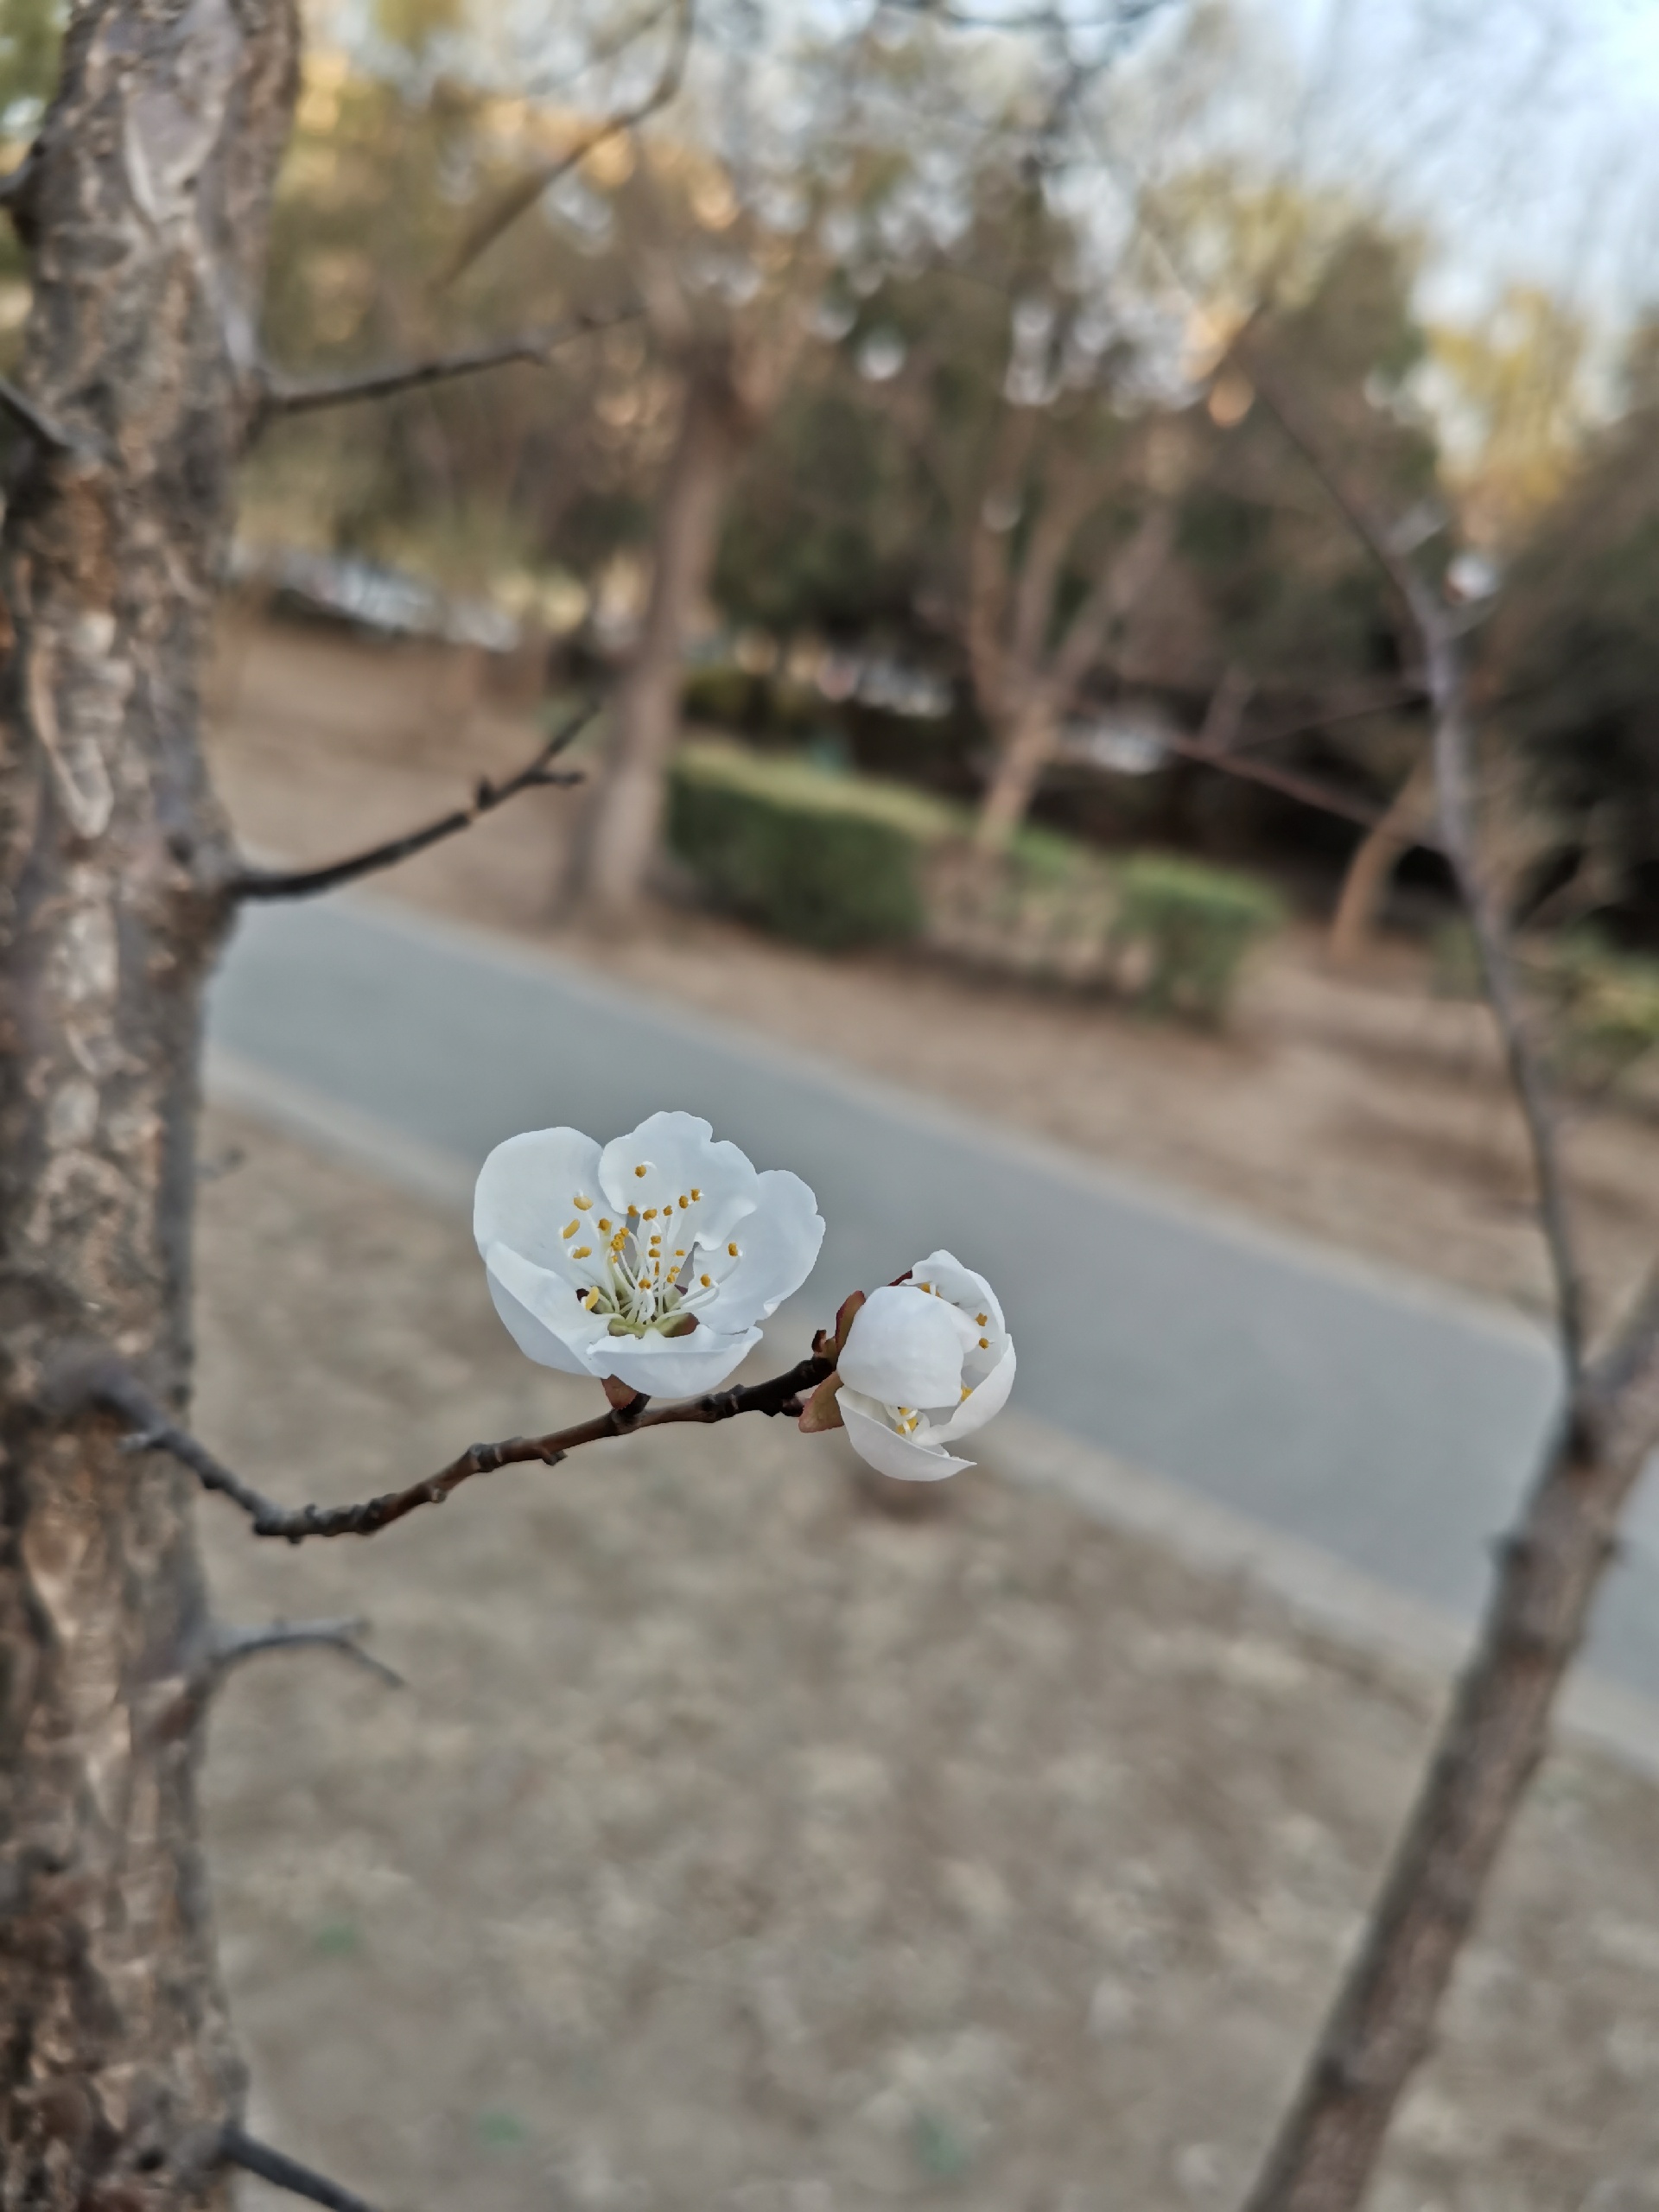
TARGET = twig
(1308,791)
(1453,745)
(523,195)
(237,2148)
(34,418)
(102,1380)
(229,1647)
(282,396)
(537,774)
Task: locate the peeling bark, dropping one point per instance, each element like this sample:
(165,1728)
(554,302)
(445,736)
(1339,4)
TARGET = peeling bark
(145,211)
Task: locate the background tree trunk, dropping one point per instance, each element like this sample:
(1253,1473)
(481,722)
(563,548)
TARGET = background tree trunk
(1023,751)
(1371,866)
(616,840)
(145,210)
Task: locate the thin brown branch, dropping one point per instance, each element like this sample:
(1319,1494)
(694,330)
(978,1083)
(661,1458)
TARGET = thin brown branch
(1307,791)
(1454,748)
(228,1646)
(238,2148)
(44,428)
(102,1380)
(282,396)
(537,774)
(522,194)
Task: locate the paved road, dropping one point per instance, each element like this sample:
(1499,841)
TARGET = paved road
(1386,1421)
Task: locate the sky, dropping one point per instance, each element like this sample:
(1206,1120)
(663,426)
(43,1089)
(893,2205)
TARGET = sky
(1525,131)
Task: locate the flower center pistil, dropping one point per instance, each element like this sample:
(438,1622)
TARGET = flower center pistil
(642,1282)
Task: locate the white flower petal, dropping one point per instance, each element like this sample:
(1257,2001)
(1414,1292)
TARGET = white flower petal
(672,1367)
(679,1156)
(777,1249)
(527,1190)
(902,1457)
(985,1399)
(944,1272)
(906,1347)
(533,1336)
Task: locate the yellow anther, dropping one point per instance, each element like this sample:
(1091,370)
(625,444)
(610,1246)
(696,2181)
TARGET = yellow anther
(569,1229)
(638,1171)
(967,1389)
(984,1344)
(695,1192)
(732,1249)
(707,1281)
(679,1251)
(604,1226)
(651,1213)
(684,1201)
(582,1251)
(981,1319)
(591,1299)
(582,1204)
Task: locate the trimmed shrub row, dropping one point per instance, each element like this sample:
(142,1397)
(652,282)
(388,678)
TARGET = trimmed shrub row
(837,861)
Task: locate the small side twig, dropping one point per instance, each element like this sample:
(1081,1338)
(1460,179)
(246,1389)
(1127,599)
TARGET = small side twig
(238,2148)
(29,416)
(228,1646)
(104,1381)
(282,396)
(537,774)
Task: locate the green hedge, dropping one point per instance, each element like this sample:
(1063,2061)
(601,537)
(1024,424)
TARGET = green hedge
(1192,925)
(831,860)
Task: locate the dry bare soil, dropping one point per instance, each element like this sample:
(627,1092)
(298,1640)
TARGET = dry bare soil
(1359,1109)
(733,1845)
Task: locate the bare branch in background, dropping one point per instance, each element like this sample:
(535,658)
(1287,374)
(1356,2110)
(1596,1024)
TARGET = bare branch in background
(537,774)
(1453,745)
(239,2149)
(521,196)
(102,1380)
(279,396)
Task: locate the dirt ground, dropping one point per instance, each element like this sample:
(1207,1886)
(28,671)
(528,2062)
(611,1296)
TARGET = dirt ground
(1357,1108)
(733,1846)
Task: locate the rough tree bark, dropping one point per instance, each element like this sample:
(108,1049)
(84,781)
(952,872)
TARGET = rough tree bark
(145,209)
(615,844)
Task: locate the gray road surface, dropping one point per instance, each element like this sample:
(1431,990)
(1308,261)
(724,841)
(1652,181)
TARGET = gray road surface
(1390,1423)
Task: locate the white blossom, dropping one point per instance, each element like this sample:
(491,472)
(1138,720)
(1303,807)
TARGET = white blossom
(926,1362)
(653,1260)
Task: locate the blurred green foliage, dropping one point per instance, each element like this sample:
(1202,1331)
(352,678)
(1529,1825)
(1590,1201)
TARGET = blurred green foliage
(1192,926)
(1572,665)
(829,861)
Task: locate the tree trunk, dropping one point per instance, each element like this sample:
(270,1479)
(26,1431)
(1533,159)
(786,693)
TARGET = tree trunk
(1378,852)
(1022,756)
(1379,2031)
(145,211)
(615,843)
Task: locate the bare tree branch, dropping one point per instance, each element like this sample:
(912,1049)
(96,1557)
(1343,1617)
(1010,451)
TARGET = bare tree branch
(237,2148)
(537,774)
(281,396)
(100,1379)
(523,195)
(30,416)
(1453,745)
(228,1646)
